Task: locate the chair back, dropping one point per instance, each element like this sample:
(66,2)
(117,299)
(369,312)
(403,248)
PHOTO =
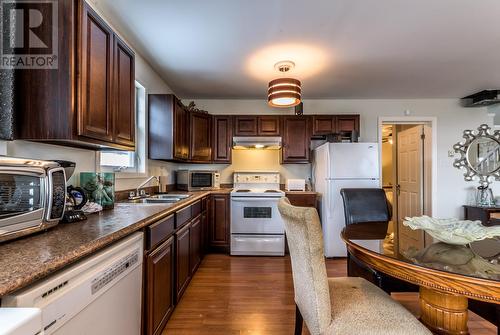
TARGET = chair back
(362,205)
(310,281)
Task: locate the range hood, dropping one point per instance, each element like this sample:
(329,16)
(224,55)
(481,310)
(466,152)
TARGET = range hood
(256,142)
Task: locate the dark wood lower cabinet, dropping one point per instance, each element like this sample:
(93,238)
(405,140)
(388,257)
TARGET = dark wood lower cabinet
(218,235)
(159,295)
(182,255)
(171,263)
(302,199)
(195,237)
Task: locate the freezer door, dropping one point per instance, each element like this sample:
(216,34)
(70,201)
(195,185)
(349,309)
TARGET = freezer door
(354,160)
(333,220)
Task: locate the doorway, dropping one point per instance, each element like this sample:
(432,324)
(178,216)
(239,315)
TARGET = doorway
(406,156)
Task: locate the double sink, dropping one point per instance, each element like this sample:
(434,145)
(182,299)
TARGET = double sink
(166,198)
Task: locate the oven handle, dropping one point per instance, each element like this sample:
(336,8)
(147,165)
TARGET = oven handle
(245,199)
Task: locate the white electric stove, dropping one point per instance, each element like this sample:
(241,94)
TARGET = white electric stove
(256,224)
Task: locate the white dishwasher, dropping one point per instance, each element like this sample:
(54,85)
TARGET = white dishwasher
(100,295)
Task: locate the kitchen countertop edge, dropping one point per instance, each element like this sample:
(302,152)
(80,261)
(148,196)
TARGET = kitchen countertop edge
(10,282)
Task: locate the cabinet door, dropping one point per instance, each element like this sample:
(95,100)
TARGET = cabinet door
(182,260)
(324,124)
(245,126)
(296,140)
(159,297)
(302,199)
(200,137)
(181,132)
(222,139)
(205,219)
(124,111)
(219,222)
(269,125)
(95,91)
(195,244)
(347,123)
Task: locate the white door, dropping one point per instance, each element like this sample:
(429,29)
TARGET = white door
(409,183)
(354,160)
(334,220)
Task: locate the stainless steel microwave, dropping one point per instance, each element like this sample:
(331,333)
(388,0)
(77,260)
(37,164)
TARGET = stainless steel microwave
(32,196)
(187,180)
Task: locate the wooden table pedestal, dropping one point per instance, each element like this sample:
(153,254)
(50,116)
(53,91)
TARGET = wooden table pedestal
(443,313)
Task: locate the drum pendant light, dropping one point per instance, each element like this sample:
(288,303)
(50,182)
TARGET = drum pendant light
(284,92)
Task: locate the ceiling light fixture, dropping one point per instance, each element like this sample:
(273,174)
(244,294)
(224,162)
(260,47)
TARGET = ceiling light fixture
(284,92)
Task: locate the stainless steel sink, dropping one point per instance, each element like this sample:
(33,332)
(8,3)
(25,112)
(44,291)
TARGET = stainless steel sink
(171,196)
(161,199)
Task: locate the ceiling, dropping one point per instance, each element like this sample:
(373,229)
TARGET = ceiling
(342,48)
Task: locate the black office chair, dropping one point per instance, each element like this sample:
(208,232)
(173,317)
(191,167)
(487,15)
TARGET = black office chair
(367,215)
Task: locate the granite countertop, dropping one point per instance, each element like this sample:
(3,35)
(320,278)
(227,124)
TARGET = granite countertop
(26,260)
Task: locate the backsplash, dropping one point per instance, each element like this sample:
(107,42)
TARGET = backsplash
(263,160)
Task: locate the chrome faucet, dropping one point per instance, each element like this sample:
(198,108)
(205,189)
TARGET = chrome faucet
(141,193)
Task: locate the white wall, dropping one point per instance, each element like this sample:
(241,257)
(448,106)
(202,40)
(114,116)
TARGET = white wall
(86,159)
(452,119)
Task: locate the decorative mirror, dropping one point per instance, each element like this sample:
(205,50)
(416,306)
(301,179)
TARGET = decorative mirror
(479,155)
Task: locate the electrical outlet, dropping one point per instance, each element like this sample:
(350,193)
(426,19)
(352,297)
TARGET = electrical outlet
(451,153)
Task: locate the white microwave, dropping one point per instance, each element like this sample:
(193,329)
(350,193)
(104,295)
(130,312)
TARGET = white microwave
(193,180)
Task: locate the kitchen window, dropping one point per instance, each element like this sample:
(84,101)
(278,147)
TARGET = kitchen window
(130,163)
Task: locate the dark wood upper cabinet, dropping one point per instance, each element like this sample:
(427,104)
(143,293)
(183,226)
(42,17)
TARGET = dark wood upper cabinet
(159,288)
(296,140)
(96,77)
(181,131)
(323,124)
(249,125)
(347,123)
(269,125)
(88,100)
(182,254)
(200,137)
(218,235)
(168,128)
(124,108)
(222,138)
(245,126)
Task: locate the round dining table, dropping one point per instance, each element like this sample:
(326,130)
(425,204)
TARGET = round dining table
(447,275)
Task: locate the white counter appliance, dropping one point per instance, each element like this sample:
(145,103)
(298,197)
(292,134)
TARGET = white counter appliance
(256,224)
(295,185)
(100,295)
(337,166)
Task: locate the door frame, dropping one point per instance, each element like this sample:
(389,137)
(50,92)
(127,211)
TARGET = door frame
(395,120)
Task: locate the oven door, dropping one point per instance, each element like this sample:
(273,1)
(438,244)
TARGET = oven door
(255,215)
(22,200)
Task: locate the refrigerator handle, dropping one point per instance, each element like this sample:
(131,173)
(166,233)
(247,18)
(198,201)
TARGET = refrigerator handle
(328,200)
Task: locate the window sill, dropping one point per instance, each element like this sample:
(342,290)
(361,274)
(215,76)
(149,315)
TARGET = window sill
(130,175)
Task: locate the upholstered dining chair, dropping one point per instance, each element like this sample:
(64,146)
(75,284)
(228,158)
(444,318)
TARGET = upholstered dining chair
(368,213)
(348,305)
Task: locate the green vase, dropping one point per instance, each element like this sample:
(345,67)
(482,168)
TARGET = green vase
(99,187)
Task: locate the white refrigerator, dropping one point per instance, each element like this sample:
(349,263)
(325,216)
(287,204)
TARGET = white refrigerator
(337,166)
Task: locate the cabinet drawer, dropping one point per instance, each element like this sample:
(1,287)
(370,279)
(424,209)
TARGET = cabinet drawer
(196,208)
(159,231)
(183,216)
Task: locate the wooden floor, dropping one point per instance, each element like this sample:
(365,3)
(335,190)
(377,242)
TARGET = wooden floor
(254,295)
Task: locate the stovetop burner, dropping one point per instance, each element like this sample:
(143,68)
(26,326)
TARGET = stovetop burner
(271,191)
(243,191)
